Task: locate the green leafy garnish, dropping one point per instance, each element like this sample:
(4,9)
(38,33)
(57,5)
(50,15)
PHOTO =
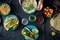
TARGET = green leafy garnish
(31,7)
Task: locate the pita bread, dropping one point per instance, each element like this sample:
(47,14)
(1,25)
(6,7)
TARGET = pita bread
(55,22)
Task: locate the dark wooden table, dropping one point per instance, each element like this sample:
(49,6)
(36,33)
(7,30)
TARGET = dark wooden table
(44,29)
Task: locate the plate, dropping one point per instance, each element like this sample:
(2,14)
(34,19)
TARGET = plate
(5,9)
(30,32)
(10,22)
(29,6)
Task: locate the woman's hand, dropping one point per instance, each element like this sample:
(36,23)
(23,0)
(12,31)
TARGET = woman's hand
(20,2)
(40,5)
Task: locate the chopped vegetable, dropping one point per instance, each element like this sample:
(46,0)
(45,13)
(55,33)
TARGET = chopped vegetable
(53,33)
(24,33)
(30,32)
(34,31)
(32,18)
(11,22)
(5,9)
(29,5)
(31,35)
(48,12)
(27,32)
(39,19)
